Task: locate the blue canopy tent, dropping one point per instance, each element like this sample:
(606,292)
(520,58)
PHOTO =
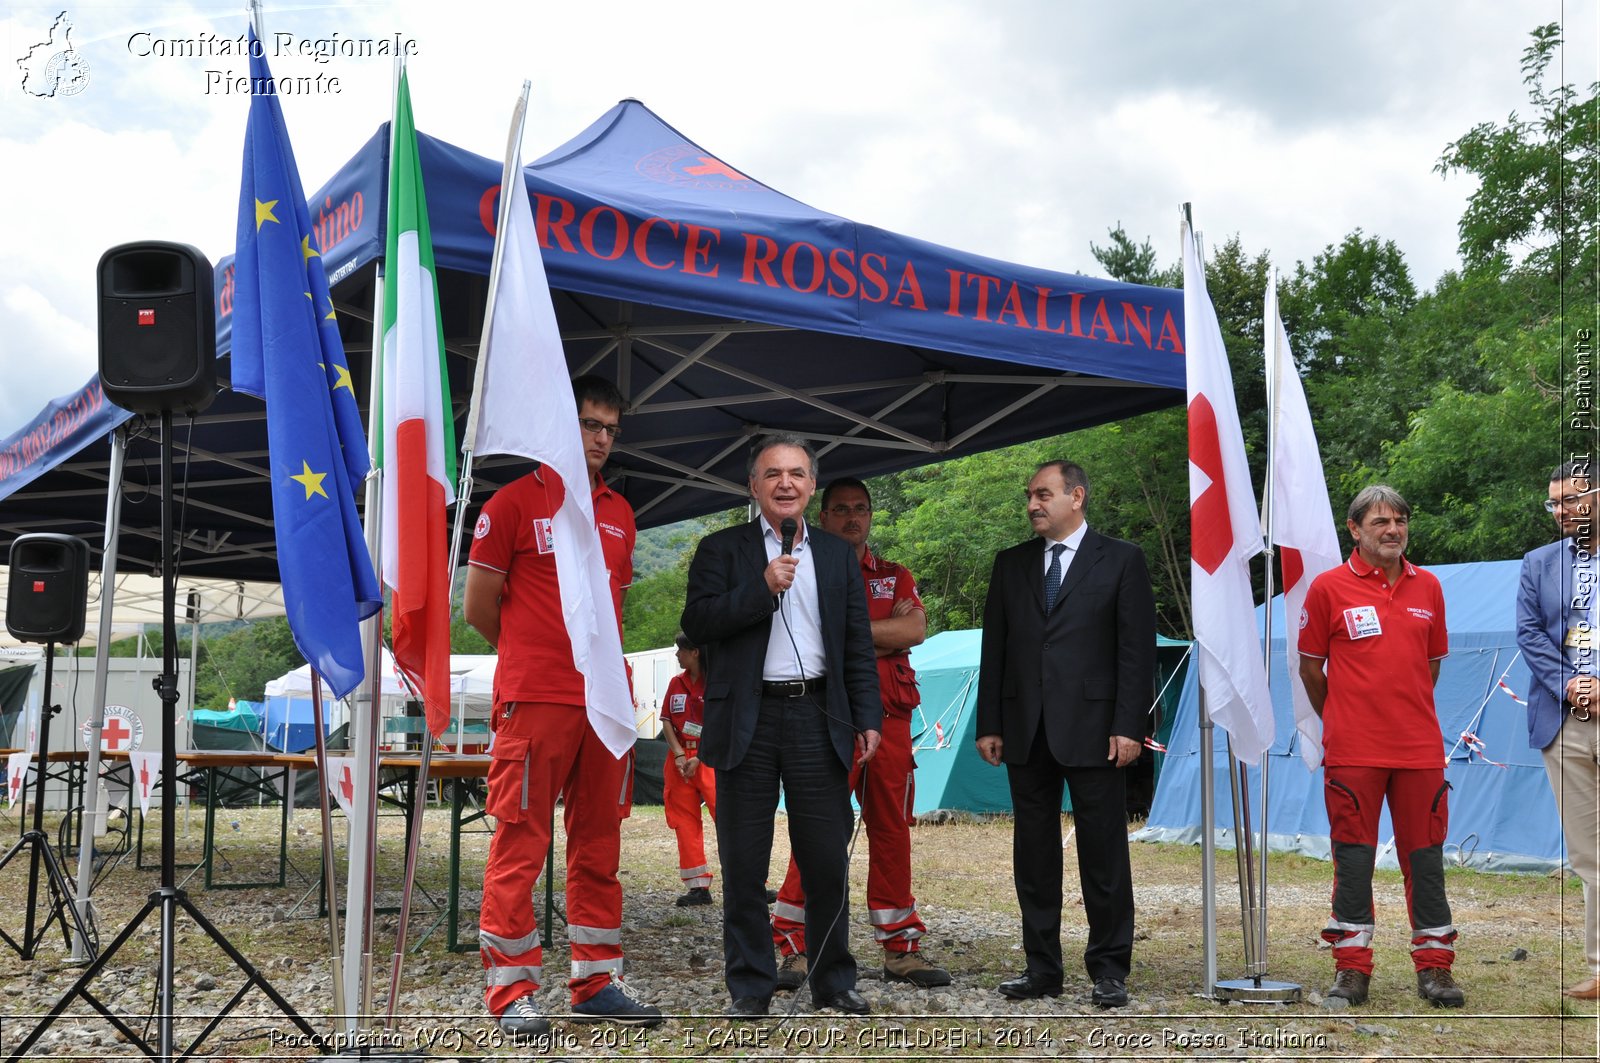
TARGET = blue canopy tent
(290,727)
(1502,815)
(720,306)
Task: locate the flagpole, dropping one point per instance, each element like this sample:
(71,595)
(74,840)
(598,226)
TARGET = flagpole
(1267,518)
(328,874)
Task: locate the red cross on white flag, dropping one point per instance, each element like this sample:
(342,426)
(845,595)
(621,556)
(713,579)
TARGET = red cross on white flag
(146,767)
(341,783)
(17,767)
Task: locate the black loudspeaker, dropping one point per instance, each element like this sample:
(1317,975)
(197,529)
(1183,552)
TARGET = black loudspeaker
(49,590)
(158,328)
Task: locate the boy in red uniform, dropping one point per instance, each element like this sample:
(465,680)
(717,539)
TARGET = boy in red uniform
(885,789)
(544,746)
(1371,638)
(686,781)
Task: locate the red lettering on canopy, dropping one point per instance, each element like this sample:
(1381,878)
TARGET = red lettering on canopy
(1131,324)
(759,254)
(641,238)
(619,233)
(790,256)
(1013,308)
(1077,314)
(1210,526)
(551,216)
(910,286)
(1102,320)
(841,264)
(985,282)
(953,307)
(1169,331)
(489,209)
(697,244)
(1041,308)
(873,267)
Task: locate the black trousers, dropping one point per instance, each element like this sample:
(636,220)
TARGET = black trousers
(1101,839)
(791,747)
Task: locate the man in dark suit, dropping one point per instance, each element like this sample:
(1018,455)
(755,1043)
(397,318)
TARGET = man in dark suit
(1067,669)
(792,698)
(1558,632)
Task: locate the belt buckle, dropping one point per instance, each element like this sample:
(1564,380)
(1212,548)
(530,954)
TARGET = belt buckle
(1584,709)
(794,688)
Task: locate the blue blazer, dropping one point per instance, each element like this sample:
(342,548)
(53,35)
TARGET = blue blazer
(1543,596)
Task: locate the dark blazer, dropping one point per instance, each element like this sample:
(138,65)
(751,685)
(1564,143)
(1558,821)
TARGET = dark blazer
(728,612)
(1087,670)
(1543,594)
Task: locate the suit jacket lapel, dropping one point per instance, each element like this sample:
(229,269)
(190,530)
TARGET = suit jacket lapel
(1033,559)
(1088,554)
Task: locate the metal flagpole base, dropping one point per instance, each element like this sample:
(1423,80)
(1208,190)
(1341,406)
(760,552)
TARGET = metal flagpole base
(1256,991)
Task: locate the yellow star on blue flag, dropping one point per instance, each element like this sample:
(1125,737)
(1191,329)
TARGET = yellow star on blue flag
(288,352)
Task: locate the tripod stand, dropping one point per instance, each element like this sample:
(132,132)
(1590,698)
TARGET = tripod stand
(36,843)
(168,899)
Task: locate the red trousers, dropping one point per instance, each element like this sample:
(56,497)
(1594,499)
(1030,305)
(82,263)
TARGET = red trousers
(1419,810)
(541,752)
(683,798)
(886,788)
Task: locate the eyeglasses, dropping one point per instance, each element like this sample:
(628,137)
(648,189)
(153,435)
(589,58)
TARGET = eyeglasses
(1567,501)
(860,509)
(594,427)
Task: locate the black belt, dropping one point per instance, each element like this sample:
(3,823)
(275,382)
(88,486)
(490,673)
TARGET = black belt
(793,688)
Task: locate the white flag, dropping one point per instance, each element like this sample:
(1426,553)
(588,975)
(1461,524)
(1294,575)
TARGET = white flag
(1225,529)
(1302,521)
(145,766)
(341,782)
(526,407)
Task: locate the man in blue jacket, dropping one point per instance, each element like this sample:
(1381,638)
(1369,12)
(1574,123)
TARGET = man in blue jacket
(1558,631)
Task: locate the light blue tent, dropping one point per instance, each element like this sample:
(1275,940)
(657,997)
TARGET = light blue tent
(1502,814)
(289,724)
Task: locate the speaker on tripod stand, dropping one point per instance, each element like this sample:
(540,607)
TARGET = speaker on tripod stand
(157,355)
(45,602)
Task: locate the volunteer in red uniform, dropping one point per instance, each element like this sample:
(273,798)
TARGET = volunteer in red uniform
(884,788)
(544,747)
(1372,636)
(687,782)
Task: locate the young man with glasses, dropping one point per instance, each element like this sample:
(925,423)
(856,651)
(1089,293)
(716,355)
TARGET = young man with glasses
(1558,632)
(544,745)
(885,789)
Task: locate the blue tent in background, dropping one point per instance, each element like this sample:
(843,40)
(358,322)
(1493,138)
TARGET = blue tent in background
(1502,815)
(289,723)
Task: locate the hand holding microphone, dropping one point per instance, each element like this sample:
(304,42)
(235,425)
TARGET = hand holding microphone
(780,570)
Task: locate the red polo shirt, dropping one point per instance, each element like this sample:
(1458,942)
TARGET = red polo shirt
(514,536)
(685,707)
(888,583)
(1378,642)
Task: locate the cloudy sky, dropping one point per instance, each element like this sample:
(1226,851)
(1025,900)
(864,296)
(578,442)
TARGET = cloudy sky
(1020,129)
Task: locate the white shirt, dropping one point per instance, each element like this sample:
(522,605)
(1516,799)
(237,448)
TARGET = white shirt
(1071,542)
(794,649)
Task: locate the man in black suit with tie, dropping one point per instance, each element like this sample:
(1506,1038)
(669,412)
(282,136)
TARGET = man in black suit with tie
(779,611)
(1069,634)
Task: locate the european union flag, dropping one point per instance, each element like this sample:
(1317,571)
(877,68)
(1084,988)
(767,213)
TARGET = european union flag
(286,349)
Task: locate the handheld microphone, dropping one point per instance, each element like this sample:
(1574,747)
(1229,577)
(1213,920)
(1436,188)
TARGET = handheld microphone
(788,529)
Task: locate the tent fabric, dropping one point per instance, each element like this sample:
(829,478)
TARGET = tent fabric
(289,726)
(242,717)
(720,306)
(1501,818)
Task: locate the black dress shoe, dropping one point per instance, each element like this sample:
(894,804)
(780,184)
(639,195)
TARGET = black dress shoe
(749,1007)
(1028,986)
(1109,993)
(846,1000)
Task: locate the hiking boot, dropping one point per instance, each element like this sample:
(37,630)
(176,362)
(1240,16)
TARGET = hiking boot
(1350,985)
(792,972)
(522,1019)
(617,1003)
(913,967)
(696,896)
(1435,985)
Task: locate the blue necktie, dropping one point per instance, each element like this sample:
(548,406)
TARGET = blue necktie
(1052,577)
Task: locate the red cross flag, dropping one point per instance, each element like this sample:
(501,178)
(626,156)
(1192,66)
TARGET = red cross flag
(17,767)
(341,776)
(1302,520)
(146,767)
(1225,529)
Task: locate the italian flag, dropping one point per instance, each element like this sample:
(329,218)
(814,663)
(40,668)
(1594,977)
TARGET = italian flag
(417,453)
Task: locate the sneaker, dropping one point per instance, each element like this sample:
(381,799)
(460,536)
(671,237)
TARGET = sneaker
(913,967)
(792,972)
(696,896)
(617,1003)
(1350,985)
(522,1019)
(1437,987)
